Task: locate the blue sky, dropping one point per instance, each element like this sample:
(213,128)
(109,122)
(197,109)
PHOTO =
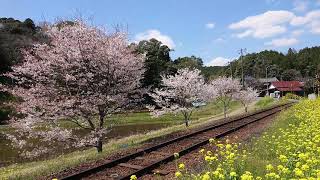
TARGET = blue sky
(214,30)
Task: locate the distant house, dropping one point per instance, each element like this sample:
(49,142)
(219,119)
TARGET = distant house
(264,84)
(284,87)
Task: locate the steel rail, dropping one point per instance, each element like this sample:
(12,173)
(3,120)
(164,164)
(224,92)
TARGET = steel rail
(93,170)
(170,158)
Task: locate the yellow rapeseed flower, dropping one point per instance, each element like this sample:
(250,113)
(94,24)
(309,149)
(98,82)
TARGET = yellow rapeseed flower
(178,174)
(206,177)
(133,177)
(269,167)
(298,172)
(181,166)
(233,174)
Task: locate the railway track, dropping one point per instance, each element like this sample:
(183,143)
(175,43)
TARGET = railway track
(146,160)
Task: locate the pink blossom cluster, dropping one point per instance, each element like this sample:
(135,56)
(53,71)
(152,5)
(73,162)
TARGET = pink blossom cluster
(83,75)
(181,91)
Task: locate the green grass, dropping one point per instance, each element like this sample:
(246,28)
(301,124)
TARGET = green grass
(260,156)
(265,102)
(201,117)
(211,109)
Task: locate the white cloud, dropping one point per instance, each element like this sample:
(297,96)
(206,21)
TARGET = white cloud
(315,27)
(282,42)
(219,40)
(310,20)
(309,17)
(273,23)
(154,33)
(297,32)
(210,25)
(300,5)
(268,24)
(244,34)
(218,61)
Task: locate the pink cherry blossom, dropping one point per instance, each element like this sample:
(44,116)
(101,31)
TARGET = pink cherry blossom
(226,90)
(179,93)
(83,75)
(245,97)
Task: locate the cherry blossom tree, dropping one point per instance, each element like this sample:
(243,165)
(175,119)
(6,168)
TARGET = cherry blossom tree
(226,89)
(245,97)
(83,75)
(179,93)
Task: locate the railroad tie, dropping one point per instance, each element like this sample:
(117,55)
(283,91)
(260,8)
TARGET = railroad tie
(140,158)
(160,172)
(161,153)
(132,166)
(198,138)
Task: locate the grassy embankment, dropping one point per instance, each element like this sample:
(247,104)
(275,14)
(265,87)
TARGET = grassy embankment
(201,116)
(289,149)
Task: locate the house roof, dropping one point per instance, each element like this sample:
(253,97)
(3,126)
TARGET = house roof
(288,85)
(290,89)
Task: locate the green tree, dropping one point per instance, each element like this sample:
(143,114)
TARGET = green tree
(291,75)
(157,62)
(14,35)
(191,62)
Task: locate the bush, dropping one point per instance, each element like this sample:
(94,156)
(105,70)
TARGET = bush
(264,102)
(5,111)
(292,96)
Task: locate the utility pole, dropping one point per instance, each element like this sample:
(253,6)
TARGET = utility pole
(242,51)
(267,84)
(230,63)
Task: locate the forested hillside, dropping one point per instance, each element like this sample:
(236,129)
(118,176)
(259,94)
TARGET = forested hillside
(14,35)
(293,65)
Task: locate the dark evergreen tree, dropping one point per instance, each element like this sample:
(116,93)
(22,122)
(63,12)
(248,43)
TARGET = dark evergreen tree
(191,62)
(157,62)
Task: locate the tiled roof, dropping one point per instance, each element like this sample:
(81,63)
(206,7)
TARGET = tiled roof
(290,89)
(287,84)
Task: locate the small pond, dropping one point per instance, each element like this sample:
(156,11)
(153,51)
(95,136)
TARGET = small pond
(9,155)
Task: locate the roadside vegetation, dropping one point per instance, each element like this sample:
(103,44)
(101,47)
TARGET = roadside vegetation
(30,170)
(289,149)
(265,101)
(202,116)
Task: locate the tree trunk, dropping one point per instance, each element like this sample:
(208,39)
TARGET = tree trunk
(186,119)
(102,115)
(225,111)
(99,145)
(187,122)
(246,109)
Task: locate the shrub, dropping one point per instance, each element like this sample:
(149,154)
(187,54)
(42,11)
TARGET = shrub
(265,101)
(292,96)
(5,110)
